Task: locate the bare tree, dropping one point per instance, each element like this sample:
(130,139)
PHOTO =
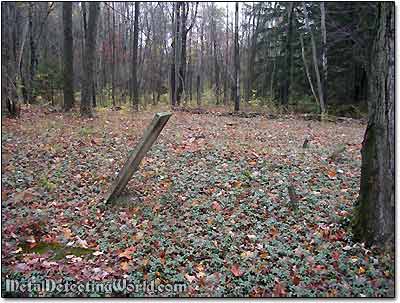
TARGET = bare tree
(135,85)
(90,54)
(324,49)
(315,60)
(68,57)
(237,60)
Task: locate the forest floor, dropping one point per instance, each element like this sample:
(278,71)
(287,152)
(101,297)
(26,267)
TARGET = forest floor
(209,206)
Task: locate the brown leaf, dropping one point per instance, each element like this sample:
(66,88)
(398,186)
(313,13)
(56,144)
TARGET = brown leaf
(279,290)
(296,279)
(127,253)
(124,265)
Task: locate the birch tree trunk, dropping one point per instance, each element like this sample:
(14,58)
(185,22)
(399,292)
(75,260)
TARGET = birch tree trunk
(374,218)
(315,60)
(307,70)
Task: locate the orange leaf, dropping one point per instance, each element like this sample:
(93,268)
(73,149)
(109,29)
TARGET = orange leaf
(331,174)
(124,265)
(235,270)
(296,280)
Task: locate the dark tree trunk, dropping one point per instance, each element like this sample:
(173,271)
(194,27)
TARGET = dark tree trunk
(68,57)
(375,209)
(182,59)
(90,54)
(237,60)
(288,58)
(135,85)
(32,66)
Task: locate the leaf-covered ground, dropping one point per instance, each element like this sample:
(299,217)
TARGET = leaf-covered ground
(209,206)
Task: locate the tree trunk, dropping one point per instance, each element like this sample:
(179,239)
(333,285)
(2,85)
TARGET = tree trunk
(135,85)
(375,208)
(288,58)
(113,58)
(324,50)
(68,57)
(226,73)
(315,61)
(32,66)
(90,54)
(307,70)
(237,60)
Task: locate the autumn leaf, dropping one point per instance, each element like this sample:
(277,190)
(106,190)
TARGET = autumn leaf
(124,265)
(215,205)
(295,280)
(361,270)
(235,270)
(279,290)
(332,174)
(127,253)
(67,233)
(190,278)
(335,255)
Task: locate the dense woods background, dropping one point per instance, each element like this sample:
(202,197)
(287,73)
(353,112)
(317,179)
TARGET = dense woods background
(308,57)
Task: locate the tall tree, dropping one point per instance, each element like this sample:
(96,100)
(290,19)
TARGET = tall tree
(237,60)
(315,60)
(375,209)
(324,50)
(288,57)
(90,54)
(135,85)
(68,57)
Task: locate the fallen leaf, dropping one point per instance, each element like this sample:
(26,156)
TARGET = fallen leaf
(190,278)
(235,270)
(279,290)
(215,205)
(332,174)
(124,265)
(127,253)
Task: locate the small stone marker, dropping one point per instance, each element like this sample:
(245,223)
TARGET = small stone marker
(136,156)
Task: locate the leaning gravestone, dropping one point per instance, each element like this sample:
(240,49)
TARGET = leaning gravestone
(136,156)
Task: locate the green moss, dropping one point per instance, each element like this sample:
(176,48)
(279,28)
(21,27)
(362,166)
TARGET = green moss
(58,250)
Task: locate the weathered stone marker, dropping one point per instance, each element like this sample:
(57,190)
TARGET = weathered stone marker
(136,156)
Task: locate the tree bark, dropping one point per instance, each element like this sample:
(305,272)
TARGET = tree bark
(33,59)
(315,61)
(375,209)
(226,68)
(68,57)
(90,54)
(288,58)
(324,50)
(113,58)
(307,70)
(135,85)
(237,60)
